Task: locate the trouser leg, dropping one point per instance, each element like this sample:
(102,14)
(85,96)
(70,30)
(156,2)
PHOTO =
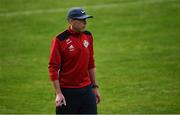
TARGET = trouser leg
(72,102)
(88,105)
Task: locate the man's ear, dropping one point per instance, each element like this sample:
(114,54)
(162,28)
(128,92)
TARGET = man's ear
(70,21)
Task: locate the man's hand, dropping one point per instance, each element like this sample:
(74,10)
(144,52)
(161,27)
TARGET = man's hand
(97,94)
(60,100)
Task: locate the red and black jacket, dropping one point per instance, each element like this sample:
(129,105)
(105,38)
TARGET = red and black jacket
(71,58)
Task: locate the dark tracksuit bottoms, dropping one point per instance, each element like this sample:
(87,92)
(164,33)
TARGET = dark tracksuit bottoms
(78,101)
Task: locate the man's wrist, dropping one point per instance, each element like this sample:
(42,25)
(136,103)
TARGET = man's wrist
(95,86)
(58,92)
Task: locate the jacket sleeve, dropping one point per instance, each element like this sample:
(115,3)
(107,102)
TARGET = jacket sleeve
(54,60)
(91,58)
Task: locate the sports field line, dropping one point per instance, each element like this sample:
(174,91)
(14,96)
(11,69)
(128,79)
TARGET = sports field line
(41,11)
(100,6)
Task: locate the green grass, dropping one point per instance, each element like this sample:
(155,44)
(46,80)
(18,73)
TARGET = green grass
(137,51)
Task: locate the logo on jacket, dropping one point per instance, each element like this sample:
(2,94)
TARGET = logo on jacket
(71,48)
(86,43)
(68,41)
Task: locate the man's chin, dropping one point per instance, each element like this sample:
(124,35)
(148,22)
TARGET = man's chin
(82,30)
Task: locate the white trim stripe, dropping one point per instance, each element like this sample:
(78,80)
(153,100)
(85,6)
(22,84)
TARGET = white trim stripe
(100,6)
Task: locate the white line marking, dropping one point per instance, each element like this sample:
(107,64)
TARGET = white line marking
(100,6)
(40,11)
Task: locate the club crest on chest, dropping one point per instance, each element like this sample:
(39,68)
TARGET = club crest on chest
(86,43)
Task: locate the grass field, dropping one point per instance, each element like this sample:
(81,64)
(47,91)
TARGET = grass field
(137,51)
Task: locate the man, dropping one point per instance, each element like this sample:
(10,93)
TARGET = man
(72,68)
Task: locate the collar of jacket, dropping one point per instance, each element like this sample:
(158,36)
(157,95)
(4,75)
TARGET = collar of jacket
(73,32)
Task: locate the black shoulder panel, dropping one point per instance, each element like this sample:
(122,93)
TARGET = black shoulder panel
(87,33)
(64,35)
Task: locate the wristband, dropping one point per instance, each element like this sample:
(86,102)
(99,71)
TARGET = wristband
(95,86)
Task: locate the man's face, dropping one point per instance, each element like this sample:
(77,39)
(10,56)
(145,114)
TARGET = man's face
(78,24)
